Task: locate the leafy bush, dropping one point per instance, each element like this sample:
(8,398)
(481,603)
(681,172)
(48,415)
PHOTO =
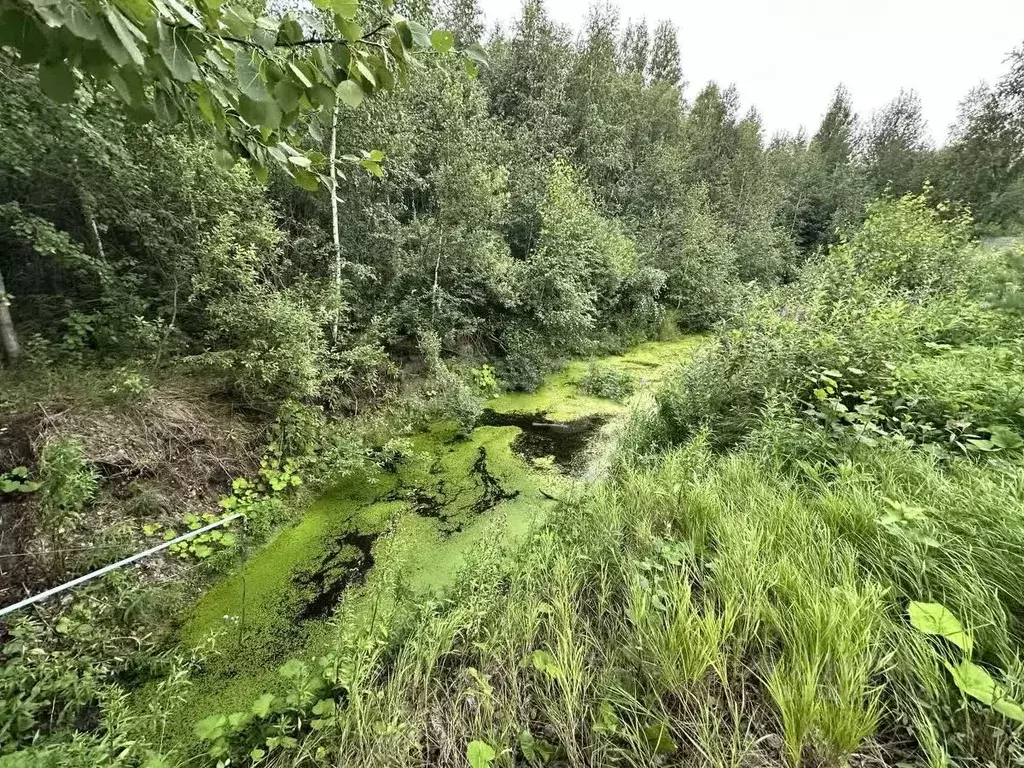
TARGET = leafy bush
(907,244)
(606,381)
(449,396)
(851,317)
(269,343)
(68,483)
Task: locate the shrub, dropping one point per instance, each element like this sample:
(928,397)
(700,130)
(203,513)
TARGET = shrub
(907,244)
(68,484)
(605,381)
(269,343)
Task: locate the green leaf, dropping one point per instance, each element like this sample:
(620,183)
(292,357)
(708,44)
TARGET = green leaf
(127,34)
(292,669)
(366,72)
(184,13)
(291,29)
(325,707)
(537,752)
(936,619)
(544,662)
(420,38)
(257,754)
(347,9)
(264,33)
(322,95)
(1005,438)
(307,181)
(57,81)
(287,95)
(658,737)
(247,65)
(974,681)
(442,40)
(301,76)
(239,21)
(480,754)
(81,23)
(986,446)
(350,30)
(210,728)
(350,93)
(372,168)
(476,53)
(261,707)
(176,56)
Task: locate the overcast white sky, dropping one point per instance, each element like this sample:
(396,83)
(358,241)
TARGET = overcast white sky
(787,56)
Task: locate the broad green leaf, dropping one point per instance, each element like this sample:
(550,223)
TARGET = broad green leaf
(176,56)
(306,180)
(322,95)
(537,752)
(264,34)
(373,168)
(184,13)
(350,30)
(420,38)
(292,669)
(141,10)
(239,21)
(291,30)
(385,80)
(57,81)
(442,40)
(261,707)
(544,662)
(476,53)
(247,65)
(977,683)
(81,23)
(936,619)
(259,112)
(347,9)
(366,72)
(126,33)
(480,754)
(1005,438)
(350,93)
(210,728)
(206,109)
(287,95)
(658,737)
(301,76)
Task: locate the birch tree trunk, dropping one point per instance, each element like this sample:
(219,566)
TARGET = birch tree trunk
(334,218)
(8,336)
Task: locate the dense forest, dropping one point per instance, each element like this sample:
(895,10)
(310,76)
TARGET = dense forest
(251,255)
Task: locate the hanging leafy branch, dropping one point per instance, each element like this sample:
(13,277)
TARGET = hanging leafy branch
(260,83)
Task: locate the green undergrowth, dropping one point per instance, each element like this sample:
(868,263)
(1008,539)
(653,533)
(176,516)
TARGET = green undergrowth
(439,500)
(720,611)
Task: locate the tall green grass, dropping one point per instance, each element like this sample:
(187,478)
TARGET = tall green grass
(712,611)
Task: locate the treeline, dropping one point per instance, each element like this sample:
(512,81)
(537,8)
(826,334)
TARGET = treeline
(567,199)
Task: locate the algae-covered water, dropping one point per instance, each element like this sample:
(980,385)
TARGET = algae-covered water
(454,494)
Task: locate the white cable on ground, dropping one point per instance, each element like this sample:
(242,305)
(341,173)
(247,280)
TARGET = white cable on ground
(115,566)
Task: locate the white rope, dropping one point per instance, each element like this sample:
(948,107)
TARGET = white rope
(115,566)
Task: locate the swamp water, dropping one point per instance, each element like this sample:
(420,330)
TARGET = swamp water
(454,495)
